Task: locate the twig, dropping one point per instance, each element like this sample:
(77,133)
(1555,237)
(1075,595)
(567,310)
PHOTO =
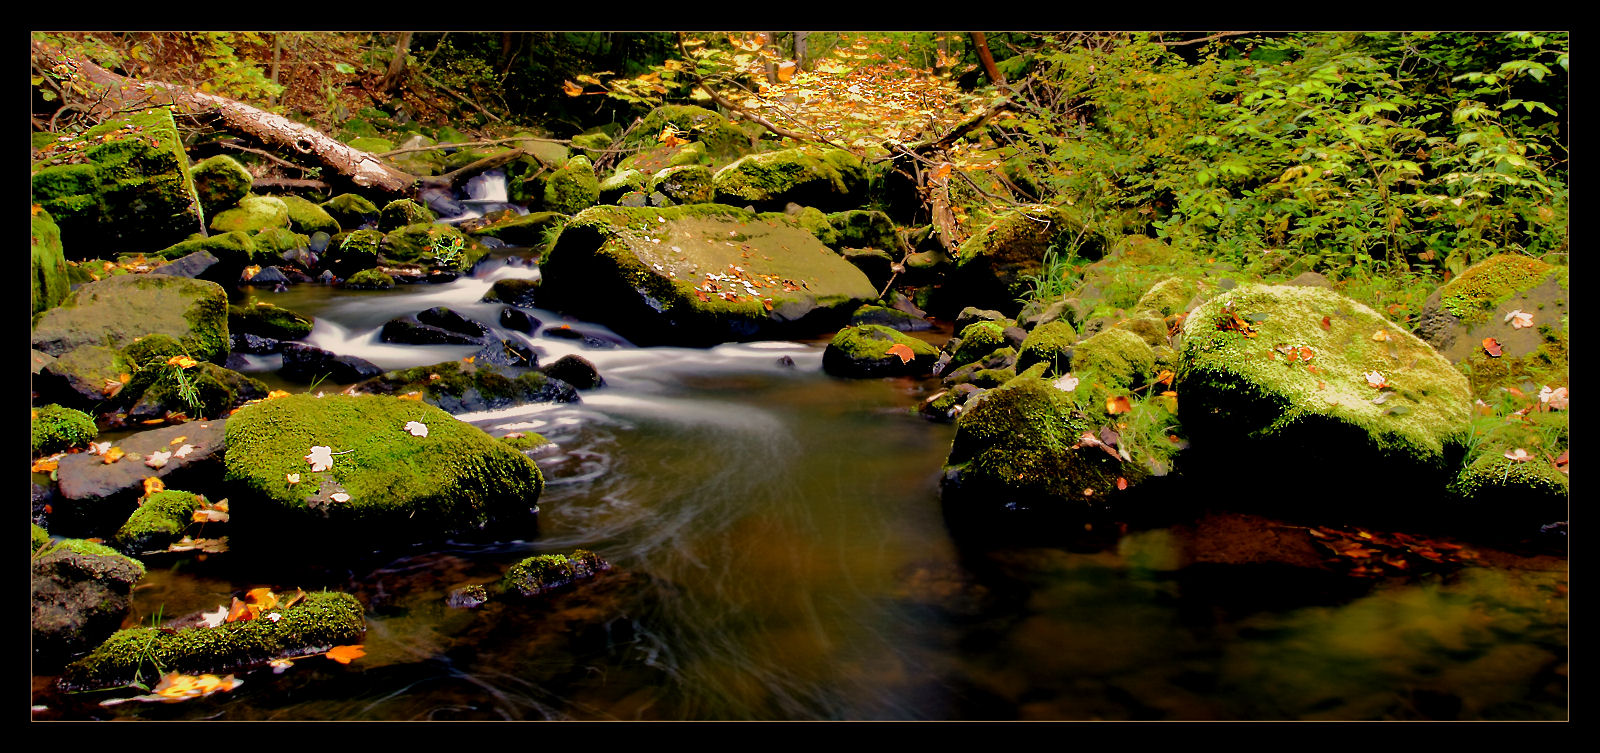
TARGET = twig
(1218,35)
(487,142)
(264,153)
(459,96)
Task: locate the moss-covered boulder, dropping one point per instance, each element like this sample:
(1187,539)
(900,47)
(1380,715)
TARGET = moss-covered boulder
(1168,297)
(432,244)
(371,144)
(354,251)
(158,522)
(1121,358)
(458,387)
(1517,490)
(267,320)
(236,249)
(1050,343)
(81,593)
(519,230)
(306,217)
(56,428)
(220,183)
(622,182)
(1019,448)
(350,210)
(387,482)
(1475,305)
(253,214)
(977,340)
(828,179)
(47,264)
(859,228)
(1259,371)
(117,310)
(369,279)
(316,623)
(543,573)
(864,351)
(216,391)
(889,317)
(993,265)
(85,377)
(402,212)
(123,185)
(698,275)
(720,140)
(688,184)
(572,188)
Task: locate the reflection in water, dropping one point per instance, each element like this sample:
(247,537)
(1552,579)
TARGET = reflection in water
(779,553)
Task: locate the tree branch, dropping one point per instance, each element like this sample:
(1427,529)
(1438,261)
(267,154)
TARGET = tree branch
(1218,35)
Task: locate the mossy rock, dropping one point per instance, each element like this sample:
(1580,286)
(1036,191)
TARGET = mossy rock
(56,428)
(1170,296)
(721,139)
(1239,388)
(83,377)
(220,183)
(520,230)
(1151,329)
(457,387)
(399,485)
(1017,449)
(350,210)
(236,248)
(861,228)
(572,188)
(543,573)
(978,339)
(354,251)
(993,265)
(47,265)
(159,521)
(253,214)
(514,291)
(273,242)
(369,279)
(591,142)
(117,310)
(402,212)
(319,622)
(863,352)
(306,217)
(689,184)
(371,144)
(692,153)
(81,592)
(621,182)
(423,243)
(39,538)
(267,320)
(430,162)
(1460,314)
(1119,358)
(1518,494)
(888,317)
(679,275)
(1473,294)
(217,389)
(357,128)
(1050,343)
(124,184)
(522,441)
(828,179)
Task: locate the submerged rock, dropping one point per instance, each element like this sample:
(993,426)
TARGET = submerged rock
(459,387)
(266,320)
(435,326)
(541,574)
(575,370)
(698,275)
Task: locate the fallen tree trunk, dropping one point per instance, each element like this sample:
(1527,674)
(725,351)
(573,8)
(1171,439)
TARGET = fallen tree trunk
(360,167)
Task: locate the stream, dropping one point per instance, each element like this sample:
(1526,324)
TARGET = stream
(779,552)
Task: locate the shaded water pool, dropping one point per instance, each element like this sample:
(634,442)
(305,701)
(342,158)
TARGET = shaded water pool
(779,552)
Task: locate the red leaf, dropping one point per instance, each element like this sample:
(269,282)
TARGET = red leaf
(1491,346)
(1326,324)
(903,351)
(1117,404)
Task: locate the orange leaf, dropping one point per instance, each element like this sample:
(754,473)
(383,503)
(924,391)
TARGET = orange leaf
(571,89)
(239,611)
(903,351)
(1380,336)
(46,465)
(1491,346)
(1122,483)
(153,485)
(1165,377)
(1117,404)
(113,455)
(345,654)
(1326,324)
(262,597)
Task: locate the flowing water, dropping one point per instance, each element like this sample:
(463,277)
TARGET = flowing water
(779,552)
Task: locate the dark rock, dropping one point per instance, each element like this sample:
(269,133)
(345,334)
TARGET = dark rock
(97,497)
(195,265)
(1014,336)
(516,319)
(319,241)
(435,326)
(327,277)
(575,370)
(786,361)
(517,292)
(972,314)
(507,353)
(219,390)
(81,593)
(244,342)
(270,276)
(889,317)
(304,363)
(458,387)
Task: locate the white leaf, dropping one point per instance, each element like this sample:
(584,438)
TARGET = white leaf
(292,478)
(99,448)
(321,458)
(1376,379)
(339,497)
(213,619)
(1067,383)
(157,459)
(183,452)
(417,428)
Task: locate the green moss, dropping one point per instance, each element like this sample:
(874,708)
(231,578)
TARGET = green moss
(237,247)
(355,251)
(862,228)
(267,320)
(254,213)
(350,210)
(1482,287)
(525,440)
(369,279)
(220,183)
(272,242)
(621,182)
(371,144)
(40,538)
(427,243)
(47,265)
(1051,344)
(810,176)
(978,339)
(1170,296)
(307,218)
(863,351)
(402,212)
(56,428)
(543,573)
(721,139)
(218,391)
(1119,358)
(319,622)
(1151,329)
(455,477)
(993,266)
(522,230)
(689,184)
(692,153)
(158,522)
(572,188)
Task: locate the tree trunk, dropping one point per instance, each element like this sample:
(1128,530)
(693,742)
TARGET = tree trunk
(768,41)
(942,41)
(397,65)
(361,168)
(800,50)
(981,41)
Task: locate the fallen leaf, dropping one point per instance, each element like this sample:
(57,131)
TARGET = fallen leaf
(213,619)
(321,458)
(1117,404)
(903,351)
(346,654)
(158,459)
(339,497)
(1376,379)
(153,485)
(209,516)
(1519,319)
(46,465)
(1165,377)
(417,428)
(1066,383)
(1491,346)
(98,448)
(1326,323)
(1519,455)
(182,362)
(292,478)
(113,455)
(1556,398)
(1380,336)
(183,452)
(239,611)
(1122,483)
(411,396)
(279,665)
(261,597)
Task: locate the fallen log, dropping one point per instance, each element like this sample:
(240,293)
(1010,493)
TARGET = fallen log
(360,167)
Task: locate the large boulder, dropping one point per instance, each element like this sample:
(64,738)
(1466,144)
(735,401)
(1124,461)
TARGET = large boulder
(307,218)
(518,230)
(123,185)
(253,214)
(266,320)
(572,188)
(865,351)
(458,387)
(117,310)
(698,275)
(386,482)
(47,265)
(81,593)
(96,497)
(1308,383)
(308,363)
(828,179)
(84,377)
(351,211)
(216,391)
(1474,305)
(993,266)
(220,182)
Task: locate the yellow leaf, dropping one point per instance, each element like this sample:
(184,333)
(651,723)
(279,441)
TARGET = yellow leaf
(251,271)
(1380,336)
(411,396)
(182,362)
(177,441)
(1117,404)
(153,485)
(46,465)
(113,455)
(571,89)
(262,597)
(345,654)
